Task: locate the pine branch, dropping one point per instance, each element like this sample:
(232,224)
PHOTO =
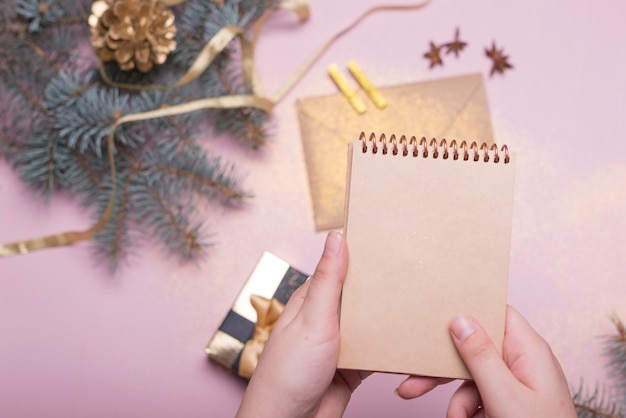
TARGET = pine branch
(120,227)
(179,224)
(199,181)
(37,162)
(196,28)
(30,97)
(160,194)
(9,147)
(586,410)
(28,84)
(83,174)
(181,138)
(21,28)
(16,28)
(604,403)
(243,123)
(615,350)
(40,14)
(153,210)
(14,129)
(82,162)
(183,134)
(173,133)
(26,43)
(598,404)
(87,123)
(57,116)
(67,87)
(41,54)
(113,242)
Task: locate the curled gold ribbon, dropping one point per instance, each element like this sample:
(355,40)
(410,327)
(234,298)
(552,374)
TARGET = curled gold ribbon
(213,48)
(268,311)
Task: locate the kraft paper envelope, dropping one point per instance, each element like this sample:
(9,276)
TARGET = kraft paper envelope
(451,108)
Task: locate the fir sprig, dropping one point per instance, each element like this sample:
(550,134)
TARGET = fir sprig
(38,13)
(245,123)
(59,113)
(87,123)
(38,161)
(598,403)
(615,350)
(607,402)
(113,243)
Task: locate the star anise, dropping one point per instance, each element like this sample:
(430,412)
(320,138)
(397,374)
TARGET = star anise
(434,55)
(500,61)
(455,46)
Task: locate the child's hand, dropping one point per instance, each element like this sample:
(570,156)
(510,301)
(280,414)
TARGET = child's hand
(297,373)
(527,381)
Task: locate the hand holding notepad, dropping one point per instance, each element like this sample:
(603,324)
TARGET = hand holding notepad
(428,227)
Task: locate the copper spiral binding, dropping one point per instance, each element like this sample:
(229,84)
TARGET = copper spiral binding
(433,148)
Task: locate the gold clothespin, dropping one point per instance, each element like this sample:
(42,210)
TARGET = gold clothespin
(374,94)
(344,86)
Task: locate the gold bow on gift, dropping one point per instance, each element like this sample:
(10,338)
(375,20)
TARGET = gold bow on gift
(268,311)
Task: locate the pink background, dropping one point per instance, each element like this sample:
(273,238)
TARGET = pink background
(76,342)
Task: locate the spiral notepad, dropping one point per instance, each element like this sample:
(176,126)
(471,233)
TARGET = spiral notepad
(428,225)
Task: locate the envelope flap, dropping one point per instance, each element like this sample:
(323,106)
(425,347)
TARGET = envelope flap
(452,108)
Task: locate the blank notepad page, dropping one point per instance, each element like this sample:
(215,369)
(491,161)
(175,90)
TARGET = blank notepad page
(428,228)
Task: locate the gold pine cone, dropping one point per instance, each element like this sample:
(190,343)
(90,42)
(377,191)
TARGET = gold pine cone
(134,33)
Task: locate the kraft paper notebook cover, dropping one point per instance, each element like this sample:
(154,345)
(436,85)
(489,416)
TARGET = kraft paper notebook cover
(428,235)
(454,107)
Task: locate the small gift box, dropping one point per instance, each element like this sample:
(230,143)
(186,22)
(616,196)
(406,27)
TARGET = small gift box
(238,342)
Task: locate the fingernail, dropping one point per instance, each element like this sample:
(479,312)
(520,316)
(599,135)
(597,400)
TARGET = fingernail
(333,242)
(462,327)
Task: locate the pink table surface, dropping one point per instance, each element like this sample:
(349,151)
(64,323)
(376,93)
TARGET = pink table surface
(76,342)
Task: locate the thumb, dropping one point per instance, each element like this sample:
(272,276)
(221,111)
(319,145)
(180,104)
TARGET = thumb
(491,375)
(324,291)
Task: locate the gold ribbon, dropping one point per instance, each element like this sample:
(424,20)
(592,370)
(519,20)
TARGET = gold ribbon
(211,50)
(268,311)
